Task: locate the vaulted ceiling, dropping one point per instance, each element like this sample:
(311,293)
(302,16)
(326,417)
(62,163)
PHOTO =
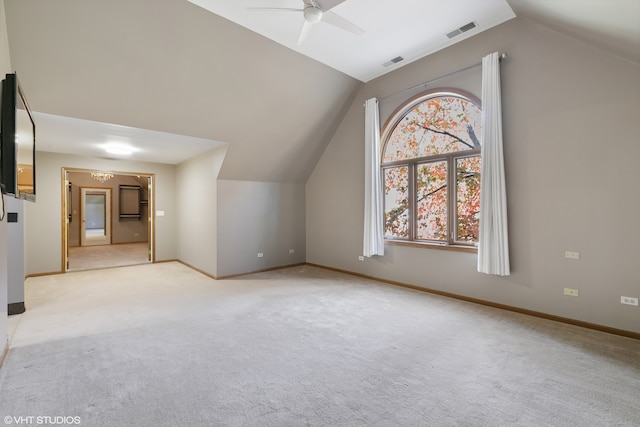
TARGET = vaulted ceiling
(198,80)
(361,37)
(170,66)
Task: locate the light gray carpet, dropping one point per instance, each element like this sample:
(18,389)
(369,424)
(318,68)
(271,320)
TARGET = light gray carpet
(161,345)
(103,256)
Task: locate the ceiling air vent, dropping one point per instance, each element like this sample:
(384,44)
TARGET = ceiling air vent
(470,26)
(393,61)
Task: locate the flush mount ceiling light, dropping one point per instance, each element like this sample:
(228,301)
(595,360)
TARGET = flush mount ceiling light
(118,148)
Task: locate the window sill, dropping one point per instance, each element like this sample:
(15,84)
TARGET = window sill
(425,245)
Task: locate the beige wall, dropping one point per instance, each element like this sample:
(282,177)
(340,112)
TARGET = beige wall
(16,251)
(43,218)
(197,210)
(5,67)
(259,217)
(571,147)
(127,230)
(217,226)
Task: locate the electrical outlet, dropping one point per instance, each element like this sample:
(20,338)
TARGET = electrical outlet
(292,251)
(571,292)
(572,255)
(360,258)
(260,254)
(629,301)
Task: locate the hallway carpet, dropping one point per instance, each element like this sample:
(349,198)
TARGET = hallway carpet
(104,256)
(162,345)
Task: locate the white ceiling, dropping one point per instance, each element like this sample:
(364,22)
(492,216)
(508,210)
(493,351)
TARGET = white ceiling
(75,136)
(411,29)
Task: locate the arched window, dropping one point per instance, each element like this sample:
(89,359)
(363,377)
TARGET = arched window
(431,169)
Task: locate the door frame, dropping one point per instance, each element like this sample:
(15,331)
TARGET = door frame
(108,213)
(66,211)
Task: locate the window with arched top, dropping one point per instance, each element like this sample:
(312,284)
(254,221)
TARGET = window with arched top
(431,169)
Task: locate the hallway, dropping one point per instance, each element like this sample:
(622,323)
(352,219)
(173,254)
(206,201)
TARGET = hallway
(103,256)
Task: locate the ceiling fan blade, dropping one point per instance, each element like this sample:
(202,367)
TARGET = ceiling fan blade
(304,32)
(274,9)
(327,5)
(340,22)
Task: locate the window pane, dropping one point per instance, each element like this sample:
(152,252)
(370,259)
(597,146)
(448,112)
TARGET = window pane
(396,202)
(468,199)
(438,125)
(431,201)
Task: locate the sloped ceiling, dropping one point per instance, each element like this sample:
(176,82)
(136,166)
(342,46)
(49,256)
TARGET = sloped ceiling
(613,25)
(173,67)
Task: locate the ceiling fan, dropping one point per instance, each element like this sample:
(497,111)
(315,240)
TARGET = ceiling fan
(314,12)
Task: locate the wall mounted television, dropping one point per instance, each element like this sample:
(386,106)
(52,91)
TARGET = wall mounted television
(17,142)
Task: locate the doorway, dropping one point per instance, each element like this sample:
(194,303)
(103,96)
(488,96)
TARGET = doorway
(101,225)
(95,223)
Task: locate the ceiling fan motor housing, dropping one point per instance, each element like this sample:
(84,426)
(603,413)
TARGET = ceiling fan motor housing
(312,14)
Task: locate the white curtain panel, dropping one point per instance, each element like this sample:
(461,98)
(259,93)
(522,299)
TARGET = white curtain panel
(493,248)
(373,243)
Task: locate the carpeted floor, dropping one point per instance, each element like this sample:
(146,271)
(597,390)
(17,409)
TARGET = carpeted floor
(103,256)
(162,345)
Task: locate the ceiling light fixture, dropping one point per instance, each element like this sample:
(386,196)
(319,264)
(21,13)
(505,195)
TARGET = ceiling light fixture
(121,149)
(101,176)
(312,14)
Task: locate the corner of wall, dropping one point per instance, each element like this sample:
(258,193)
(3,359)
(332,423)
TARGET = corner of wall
(197,186)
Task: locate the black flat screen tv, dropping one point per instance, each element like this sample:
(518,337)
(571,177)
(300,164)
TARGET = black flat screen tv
(17,142)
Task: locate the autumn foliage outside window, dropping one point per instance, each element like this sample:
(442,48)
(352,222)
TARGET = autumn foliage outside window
(431,169)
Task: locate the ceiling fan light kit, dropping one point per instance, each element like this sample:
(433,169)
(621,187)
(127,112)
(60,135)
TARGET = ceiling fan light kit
(312,14)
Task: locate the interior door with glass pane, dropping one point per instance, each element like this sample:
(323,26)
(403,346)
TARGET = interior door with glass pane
(95,224)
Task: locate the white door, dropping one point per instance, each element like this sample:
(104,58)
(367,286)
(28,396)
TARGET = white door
(95,224)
